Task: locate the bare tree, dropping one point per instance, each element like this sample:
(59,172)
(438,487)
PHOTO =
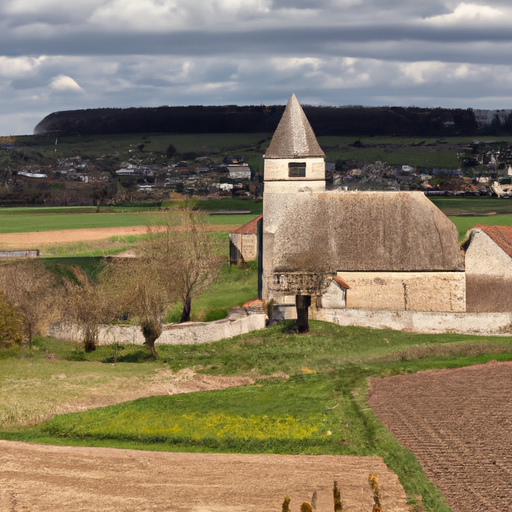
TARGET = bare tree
(86,305)
(189,255)
(172,265)
(30,288)
(137,286)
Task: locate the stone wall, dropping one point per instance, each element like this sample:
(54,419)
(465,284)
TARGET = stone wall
(488,293)
(421,321)
(191,333)
(408,291)
(26,253)
(488,275)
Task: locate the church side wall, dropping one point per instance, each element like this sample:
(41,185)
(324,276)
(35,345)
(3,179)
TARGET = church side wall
(406,291)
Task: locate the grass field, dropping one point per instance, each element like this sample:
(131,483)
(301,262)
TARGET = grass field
(415,151)
(234,287)
(24,223)
(320,409)
(465,223)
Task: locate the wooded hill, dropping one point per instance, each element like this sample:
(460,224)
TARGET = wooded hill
(349,120)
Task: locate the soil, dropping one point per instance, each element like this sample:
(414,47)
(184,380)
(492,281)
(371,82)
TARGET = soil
(458,424)
(39,478)
(38,238)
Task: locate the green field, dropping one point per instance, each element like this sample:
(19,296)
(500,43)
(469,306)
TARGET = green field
(415,151)
(23,222)
(464,224)
(320,409)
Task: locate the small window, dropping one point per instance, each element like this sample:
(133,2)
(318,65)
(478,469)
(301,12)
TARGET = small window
(297,170)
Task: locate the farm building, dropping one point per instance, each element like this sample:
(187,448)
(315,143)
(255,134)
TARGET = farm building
(488,262)
(243,243)
(360,250)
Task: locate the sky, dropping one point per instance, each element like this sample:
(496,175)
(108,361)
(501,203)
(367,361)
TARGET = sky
(64,55)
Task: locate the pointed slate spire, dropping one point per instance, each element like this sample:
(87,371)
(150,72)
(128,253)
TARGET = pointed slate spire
(294,137)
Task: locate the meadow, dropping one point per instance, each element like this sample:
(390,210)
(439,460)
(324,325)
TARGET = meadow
(314,403)
(422,152)
(22,220)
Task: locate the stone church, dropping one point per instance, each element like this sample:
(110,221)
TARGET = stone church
(337,249)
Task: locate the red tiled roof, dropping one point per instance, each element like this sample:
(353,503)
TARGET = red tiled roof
(342,283)
(251,228)
(500,235)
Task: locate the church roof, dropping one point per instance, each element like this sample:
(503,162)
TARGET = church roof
(360,231)
(294,137)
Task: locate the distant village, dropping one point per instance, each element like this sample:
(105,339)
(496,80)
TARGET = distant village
(485,168)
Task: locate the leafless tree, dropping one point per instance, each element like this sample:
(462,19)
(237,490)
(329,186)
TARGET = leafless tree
(87,306)
(30,288)
(189,255)
(137,287)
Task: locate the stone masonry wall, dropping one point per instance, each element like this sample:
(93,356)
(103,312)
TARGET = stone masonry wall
(421,321)
(191,333)
(408,291)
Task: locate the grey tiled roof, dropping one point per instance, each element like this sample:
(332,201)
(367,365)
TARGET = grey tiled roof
(294,137)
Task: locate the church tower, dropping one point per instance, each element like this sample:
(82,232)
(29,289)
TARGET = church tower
(294,170)
(294,160)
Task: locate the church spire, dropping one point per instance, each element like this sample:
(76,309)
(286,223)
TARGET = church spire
(294,137)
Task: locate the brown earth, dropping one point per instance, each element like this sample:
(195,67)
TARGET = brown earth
(38,238)
(458,424)
(39,478)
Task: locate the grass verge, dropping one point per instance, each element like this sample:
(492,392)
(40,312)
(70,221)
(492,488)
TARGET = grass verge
(320,409)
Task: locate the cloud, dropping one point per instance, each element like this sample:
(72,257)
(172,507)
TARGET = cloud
(57,55)
(64,83)
(473,14)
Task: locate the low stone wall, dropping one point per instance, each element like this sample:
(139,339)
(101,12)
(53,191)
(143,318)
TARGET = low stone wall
(191,333)
(420,321)
(21,253)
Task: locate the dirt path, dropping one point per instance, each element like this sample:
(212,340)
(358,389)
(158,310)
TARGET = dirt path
(458,424)
(34,239)
(39,478)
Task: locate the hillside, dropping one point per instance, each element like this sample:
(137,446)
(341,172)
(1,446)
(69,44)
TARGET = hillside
(347,120)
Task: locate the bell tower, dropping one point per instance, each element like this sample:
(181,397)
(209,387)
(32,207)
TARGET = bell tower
(294,160)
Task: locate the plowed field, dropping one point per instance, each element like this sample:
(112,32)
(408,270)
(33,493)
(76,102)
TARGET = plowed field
(458,424)
(40,478)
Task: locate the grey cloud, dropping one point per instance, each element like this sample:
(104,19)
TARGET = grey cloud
(250,60)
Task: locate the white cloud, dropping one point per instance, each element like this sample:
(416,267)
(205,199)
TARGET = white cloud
(64,83)
(472,14)
(19,66)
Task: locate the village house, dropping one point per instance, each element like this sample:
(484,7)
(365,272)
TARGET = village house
(488,261)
